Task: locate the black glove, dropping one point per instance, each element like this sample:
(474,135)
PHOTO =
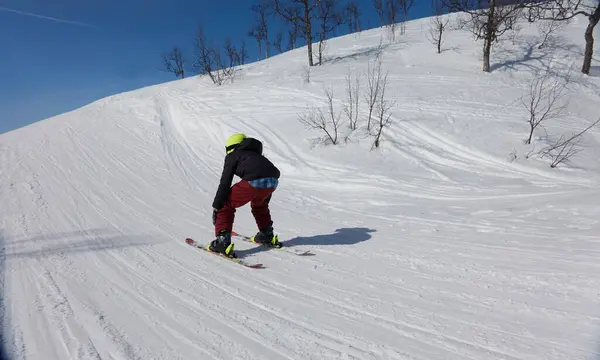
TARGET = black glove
(214,216)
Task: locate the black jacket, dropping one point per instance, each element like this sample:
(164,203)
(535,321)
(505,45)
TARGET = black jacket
(247,162)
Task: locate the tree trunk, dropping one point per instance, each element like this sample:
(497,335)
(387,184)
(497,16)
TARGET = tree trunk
(439,43)
(490,29)
(487,46)
(589,41)
(308,33)
(182,74)
(530,135)
(266,45)
(266,33)
(259,46)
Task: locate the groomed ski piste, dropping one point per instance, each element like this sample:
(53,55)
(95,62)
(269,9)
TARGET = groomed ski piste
(446,242)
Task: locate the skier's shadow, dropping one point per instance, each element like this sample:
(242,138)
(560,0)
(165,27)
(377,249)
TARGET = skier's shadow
(343,236)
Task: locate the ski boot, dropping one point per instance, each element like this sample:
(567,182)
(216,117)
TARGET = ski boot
(222,244)
(267,238)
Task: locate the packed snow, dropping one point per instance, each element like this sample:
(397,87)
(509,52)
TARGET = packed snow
(446,242)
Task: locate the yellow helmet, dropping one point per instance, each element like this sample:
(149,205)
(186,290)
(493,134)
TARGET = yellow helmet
(233,142)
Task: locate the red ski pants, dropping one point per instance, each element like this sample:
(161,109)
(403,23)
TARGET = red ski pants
(242,193)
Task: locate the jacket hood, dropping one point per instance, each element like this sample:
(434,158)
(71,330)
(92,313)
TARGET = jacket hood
(251,144)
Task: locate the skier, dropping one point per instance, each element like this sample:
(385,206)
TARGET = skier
(259,178)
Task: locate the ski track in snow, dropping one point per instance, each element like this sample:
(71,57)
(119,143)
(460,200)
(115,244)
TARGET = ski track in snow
(433,247)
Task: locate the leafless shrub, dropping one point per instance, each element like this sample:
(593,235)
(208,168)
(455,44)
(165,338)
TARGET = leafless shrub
(232,53)
(173,62)
(209,60)
(436,31)
(544,101)
(351,108)
(306,74)
(374,78)
(561,150)
(328,122)
(547,29)
(384,114)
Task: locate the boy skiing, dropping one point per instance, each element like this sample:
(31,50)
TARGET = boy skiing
(259,178)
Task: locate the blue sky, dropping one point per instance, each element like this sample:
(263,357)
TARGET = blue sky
(60,55)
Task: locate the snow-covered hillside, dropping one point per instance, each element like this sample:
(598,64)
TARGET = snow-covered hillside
(444,243)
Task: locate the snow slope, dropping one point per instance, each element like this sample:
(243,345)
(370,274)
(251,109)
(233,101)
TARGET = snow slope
(436,246)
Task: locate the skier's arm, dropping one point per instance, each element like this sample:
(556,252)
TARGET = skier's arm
(225,183)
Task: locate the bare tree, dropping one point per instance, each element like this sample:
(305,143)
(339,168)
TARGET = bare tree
(294,31)
(405,6)
(374,79)
(304,18)
(351,108)
(232,54)
(352,13)
(262,12)
(328,122)
(384,113)
(391,13)
(547,28)
(437,25)
(243,53)
(278,42)
(378,4)
(174,62)
(487,22)
(204,63)
(329,19)
(544,101)
(563,10)
(564,148)
(257,33)
(209,60)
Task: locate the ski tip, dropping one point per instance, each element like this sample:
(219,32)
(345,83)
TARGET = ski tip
(189,241)
(256,266)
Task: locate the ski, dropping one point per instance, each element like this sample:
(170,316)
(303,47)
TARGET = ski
(239,261)
(282,246)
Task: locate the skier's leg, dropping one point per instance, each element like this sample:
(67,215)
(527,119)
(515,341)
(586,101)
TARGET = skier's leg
(241,193)
(262,215)
(260,208)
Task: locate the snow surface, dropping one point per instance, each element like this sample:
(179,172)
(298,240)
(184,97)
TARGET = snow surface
(439,245)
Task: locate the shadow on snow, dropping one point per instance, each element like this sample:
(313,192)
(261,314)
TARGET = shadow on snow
(343,236)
